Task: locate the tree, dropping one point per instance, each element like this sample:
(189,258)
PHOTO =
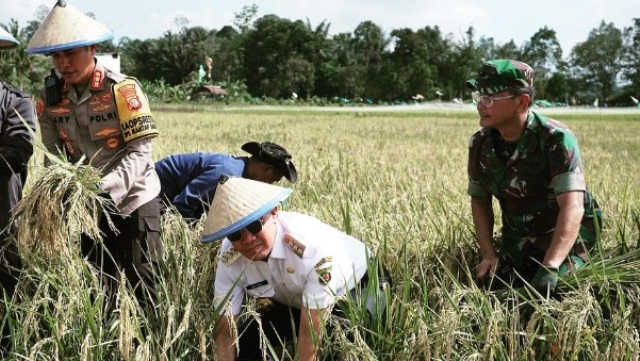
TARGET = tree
(412,73)
(269,46)
(464,63)
(631,58)
(597,61)
(543,53)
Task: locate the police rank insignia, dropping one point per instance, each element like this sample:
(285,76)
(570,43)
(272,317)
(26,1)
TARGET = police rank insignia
(295,245)
(135,116)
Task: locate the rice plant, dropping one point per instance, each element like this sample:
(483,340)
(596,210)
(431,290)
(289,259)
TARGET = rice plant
(397,181)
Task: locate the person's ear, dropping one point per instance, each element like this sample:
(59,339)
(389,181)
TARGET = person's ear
(525,100)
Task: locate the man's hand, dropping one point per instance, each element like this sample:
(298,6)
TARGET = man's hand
(488,266)
(545,280)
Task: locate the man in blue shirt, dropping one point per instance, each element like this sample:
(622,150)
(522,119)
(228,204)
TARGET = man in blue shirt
(188,181)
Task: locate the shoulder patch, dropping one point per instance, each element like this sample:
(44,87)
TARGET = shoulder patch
(229,256)
(295,245)
(323,260)
(133,109)
(324,275)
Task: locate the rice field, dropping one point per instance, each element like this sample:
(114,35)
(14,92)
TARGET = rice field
(395,180)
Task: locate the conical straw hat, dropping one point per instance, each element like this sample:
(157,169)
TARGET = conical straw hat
(7,41)
(66,28)
(237,203)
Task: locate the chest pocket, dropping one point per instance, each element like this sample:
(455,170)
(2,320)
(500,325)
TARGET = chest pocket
(295,281)
(107,137)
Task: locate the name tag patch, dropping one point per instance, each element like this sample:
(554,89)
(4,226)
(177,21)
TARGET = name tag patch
(257,284)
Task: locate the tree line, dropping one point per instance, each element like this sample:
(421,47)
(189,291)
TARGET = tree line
(273,57)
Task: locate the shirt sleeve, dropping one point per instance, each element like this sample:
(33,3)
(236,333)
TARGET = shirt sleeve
(227,288)
(565,164)
(18,125)
(198,193)
(474,187)
(132,167)
(322,282)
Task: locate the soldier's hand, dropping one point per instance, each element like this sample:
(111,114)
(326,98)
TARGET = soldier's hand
(486,267)
(545,280)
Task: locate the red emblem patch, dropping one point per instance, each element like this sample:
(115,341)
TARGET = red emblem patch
(60,110)
(112,143)
(39,107)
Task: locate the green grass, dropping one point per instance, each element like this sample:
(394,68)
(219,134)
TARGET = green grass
(397,181)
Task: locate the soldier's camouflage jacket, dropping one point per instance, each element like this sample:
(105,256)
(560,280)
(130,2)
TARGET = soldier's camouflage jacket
(545,163)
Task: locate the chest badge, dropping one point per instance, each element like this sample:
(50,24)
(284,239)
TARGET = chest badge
(290,270)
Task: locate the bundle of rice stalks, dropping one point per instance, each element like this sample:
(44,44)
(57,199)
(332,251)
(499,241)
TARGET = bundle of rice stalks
(62,204)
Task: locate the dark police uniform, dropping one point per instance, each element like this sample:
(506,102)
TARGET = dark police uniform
(16,147)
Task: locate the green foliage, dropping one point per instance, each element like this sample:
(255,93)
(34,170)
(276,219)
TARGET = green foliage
(598,59)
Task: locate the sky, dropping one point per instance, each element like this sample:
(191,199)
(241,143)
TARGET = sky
(502,20)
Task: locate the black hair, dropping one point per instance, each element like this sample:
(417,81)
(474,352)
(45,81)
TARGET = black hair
(530,90)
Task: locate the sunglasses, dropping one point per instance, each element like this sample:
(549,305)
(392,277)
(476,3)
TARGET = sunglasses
(253,228)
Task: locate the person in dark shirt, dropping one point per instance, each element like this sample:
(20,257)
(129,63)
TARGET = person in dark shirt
(17,125)
(188,181)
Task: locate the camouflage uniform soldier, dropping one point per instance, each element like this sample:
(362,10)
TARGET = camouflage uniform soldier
(103,116)
(532,166)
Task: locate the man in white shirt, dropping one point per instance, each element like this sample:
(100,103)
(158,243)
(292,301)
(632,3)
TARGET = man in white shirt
(300,263)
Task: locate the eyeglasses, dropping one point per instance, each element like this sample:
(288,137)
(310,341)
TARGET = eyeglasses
(487,100)
(253,228)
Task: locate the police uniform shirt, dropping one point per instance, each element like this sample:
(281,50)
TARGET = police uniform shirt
(88,125)
(310,264)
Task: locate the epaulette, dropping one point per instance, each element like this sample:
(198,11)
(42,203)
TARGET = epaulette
(295,245)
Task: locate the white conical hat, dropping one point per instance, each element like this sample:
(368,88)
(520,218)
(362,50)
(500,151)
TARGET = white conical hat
(237,203)
(7,41)
(66,28)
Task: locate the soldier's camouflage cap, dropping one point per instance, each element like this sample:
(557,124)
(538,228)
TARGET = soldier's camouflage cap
(498,75)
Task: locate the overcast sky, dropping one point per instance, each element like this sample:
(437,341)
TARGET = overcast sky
(500,19)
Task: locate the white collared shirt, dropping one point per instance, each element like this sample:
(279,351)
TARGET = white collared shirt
(309,271)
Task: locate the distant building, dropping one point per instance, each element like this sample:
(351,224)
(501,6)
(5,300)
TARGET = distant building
(110,60)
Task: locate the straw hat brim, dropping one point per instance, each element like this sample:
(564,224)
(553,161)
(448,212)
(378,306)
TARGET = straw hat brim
(70,45)
(67,28)
(7,41)
(248,219)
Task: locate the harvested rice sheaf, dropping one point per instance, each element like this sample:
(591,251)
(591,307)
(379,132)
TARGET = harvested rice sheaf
(64,203)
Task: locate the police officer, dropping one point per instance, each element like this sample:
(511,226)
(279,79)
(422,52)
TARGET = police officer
(531,164)
(88,112)
(300,263)
(188,181)
(16,147)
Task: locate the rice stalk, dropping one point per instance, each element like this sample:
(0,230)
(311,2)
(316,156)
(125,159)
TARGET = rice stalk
(63,203)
